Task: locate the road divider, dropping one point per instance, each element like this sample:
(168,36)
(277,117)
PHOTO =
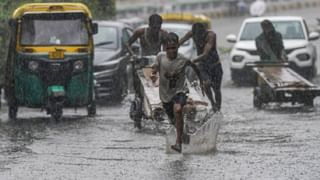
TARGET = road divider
(271,7)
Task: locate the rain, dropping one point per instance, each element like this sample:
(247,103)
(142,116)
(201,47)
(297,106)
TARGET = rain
(68,85)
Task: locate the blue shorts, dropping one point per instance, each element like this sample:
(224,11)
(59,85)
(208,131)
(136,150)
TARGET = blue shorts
(212,74)
(179,98)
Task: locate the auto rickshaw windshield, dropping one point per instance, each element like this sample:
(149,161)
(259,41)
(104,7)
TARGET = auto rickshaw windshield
(54,29)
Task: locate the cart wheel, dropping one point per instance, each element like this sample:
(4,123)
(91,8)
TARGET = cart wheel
(136,109)
(257,102)
(137,123)
(158,115)
(12,113)
(136,112)
(308,102)
(91,109)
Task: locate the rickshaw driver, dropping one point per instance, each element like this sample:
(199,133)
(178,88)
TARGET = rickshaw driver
(269,44)
(208,61)
(151,38)
(173,88)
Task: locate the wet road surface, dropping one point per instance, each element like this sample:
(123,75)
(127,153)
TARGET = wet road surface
(275,143)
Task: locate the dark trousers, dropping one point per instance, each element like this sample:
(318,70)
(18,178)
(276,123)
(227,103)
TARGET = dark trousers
(213,75)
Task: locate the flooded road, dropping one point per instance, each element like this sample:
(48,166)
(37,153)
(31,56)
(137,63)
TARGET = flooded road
(280,142)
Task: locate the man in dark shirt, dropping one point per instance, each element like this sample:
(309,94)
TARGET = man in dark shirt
(269,44)
(208,61)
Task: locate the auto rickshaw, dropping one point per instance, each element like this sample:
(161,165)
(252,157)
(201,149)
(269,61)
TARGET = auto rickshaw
(188,18)
(50,59)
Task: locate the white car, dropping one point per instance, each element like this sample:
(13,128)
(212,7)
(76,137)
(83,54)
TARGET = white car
(301,53)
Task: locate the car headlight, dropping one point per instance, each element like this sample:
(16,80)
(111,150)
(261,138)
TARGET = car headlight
(237,58)
(303,57)
(33,65)
(78,66)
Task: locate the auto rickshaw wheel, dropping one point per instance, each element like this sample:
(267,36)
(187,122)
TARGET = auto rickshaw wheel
(91,109)
(56,112)
(12,113)
(136,112)
(257,101)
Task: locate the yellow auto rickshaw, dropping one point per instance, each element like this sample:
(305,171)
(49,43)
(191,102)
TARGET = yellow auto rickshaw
(50,58)
(186,18)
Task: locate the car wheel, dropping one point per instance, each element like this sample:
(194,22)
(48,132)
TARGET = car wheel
(235,78)
(257,100)
(121,87)
(309,74)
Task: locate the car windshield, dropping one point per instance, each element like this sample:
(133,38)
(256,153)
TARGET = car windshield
(107,37)
(180,32)
(54,29)
(288,29)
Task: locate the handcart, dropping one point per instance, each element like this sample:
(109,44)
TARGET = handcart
(201,124)
(276,82)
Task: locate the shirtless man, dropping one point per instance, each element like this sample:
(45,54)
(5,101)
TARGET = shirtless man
(151,37)
(207,60)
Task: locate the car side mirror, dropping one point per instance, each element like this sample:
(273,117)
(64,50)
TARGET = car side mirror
(94,28)
(314,36)
(231,38)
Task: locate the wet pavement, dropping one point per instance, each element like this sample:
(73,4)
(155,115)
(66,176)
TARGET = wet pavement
(279,142)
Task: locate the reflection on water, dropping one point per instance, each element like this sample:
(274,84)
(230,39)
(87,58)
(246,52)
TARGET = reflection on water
(17,136)
(177,169)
